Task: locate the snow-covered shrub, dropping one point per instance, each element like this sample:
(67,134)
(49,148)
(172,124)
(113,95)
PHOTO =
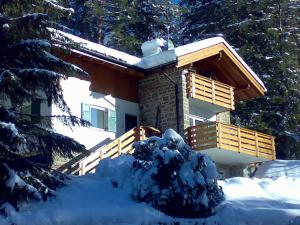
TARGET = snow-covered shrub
(175,179)
(167,174)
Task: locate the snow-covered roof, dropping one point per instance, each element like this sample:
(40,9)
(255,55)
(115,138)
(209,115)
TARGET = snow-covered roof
(171,55)
(155,60)
(97,48)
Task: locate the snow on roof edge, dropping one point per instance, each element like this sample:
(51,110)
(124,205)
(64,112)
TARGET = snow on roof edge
(196,46)
(97,48)
(151,61)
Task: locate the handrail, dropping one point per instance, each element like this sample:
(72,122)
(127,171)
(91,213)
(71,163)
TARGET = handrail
(233,138)
(85,163)
(210,90)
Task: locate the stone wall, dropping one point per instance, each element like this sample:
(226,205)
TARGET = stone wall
(224,117)
(157,100)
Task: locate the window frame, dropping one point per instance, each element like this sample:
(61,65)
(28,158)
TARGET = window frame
(194,118)
(107,113)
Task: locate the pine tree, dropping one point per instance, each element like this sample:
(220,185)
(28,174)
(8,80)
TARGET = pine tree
(121,24)
(29,71)
(266,34)
(87,20)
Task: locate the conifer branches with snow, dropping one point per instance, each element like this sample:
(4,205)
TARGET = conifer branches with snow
(30,72)
(173,178)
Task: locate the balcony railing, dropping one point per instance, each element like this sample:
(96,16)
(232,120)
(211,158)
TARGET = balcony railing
(209,90)
(228,137)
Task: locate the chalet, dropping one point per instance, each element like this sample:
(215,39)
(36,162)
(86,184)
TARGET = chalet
(190,88)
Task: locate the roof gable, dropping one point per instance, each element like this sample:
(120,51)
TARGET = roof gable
(179,56)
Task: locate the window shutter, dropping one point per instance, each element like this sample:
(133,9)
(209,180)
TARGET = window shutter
(112,121)
(85,112)
(36,110)
(36,107)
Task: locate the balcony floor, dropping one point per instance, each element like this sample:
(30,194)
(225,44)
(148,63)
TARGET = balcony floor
(227,157)
(208,110)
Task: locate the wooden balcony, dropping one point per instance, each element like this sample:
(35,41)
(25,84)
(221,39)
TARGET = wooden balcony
(210,91)
(231,145)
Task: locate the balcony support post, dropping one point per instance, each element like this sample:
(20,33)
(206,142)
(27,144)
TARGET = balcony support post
(213,91)
(219,134)
(256,144)
(273,149)
(193,86)
(239,138)
(232,98)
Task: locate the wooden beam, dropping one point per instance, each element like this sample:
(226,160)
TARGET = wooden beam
(249,76)
(198,55)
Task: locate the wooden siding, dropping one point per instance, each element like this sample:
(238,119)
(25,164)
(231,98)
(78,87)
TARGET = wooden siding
(107,78)
(232,138)
(209,90)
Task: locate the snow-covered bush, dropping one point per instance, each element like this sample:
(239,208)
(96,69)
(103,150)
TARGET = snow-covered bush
(167,174)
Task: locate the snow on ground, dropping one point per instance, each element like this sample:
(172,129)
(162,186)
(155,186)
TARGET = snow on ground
(279,168)
(91,200)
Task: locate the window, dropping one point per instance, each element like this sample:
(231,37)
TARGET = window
(34,109)
(99,117)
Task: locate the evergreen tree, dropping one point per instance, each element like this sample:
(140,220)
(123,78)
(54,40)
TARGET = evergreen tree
(266,34)
(87,20)
(121,24)
(30,72)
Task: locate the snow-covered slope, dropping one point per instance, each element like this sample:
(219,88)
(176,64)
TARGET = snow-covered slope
(279,168)
(92,200)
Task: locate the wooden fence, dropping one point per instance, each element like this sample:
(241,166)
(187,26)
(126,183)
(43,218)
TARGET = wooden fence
(86,163)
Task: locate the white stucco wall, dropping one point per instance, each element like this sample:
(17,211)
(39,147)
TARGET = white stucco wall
(76,92)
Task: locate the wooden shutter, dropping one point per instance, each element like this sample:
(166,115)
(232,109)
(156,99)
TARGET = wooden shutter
(112,121)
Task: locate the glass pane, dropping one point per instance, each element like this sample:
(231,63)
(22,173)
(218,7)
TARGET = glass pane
(85,112)
(100,120)
(112,121)
(97,118)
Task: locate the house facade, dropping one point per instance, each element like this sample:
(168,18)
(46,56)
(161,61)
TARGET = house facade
(191,88)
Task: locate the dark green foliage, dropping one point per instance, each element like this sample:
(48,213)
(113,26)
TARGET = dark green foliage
(173,178)
(266,34)
(29,72)
(123,25)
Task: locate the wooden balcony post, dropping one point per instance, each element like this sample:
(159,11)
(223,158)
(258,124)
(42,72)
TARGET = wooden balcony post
(232,98)
(213,93)
(219,133)
(119,146)
(239,138)
(193,86)
(273,149)
(142,134)
(256,144)
(81,168)
(101,155)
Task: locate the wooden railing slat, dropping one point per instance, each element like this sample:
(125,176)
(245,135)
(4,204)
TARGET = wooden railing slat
(231,138)
(123,144)
(209,90)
